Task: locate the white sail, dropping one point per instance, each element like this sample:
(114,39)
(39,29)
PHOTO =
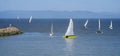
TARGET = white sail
(18,17)
(30,19)
(10,25)
(51,30)
(99,27)
(85,25)
(99,24)
(70,29)
(111,25)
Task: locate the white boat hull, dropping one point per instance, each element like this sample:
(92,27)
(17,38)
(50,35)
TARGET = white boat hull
(51,34)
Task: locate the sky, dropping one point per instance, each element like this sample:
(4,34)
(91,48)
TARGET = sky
(61,5)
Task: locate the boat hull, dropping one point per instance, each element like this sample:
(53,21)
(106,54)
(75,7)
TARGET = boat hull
(85,27)
(99,31)
(69,37)
(51,34)
(110,28)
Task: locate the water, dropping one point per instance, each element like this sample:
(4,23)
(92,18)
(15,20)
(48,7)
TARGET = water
(35,40)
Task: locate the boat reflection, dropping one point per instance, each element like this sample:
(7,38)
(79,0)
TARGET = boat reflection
(69,47)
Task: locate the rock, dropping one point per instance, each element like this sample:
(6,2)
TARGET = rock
(9,31)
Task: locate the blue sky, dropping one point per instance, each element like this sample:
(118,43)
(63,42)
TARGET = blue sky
(62,5)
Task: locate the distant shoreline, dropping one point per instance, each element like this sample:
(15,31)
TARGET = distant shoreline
(58,14)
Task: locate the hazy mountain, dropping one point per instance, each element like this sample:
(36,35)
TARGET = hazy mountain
(57,14)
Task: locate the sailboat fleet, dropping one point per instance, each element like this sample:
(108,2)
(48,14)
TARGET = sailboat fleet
(70,30)
(70,33)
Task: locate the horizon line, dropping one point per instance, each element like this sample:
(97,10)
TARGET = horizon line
(62,11)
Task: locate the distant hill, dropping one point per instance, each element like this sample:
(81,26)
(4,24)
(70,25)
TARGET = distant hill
(57,14)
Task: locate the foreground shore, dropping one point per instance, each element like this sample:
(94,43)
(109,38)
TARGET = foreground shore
(9,31)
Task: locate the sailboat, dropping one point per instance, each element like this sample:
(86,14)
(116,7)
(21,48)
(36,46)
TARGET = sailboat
(10,25)
(18,17)
(69,33)
(110,27)
(30,19)
(85,25)
(99,28)
(51,34)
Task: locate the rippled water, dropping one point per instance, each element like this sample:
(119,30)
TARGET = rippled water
(40,44)
(35,40)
